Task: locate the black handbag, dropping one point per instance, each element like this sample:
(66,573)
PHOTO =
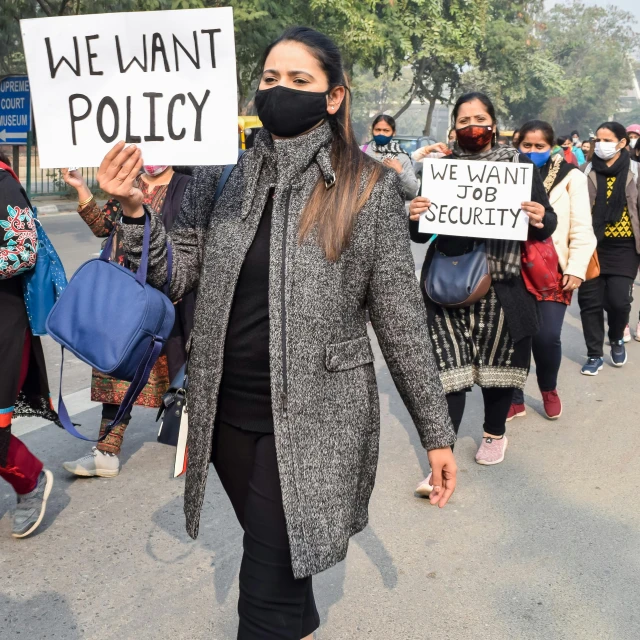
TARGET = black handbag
(458,281)
(173,404)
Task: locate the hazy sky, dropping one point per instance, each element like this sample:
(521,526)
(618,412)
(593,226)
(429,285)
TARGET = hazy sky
(632,6)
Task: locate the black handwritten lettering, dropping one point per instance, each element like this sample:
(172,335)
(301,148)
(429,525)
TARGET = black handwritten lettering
(515,217)
(91,56)
(494,174)
(466,188)
(443,213)
(195,61)
(491,194)
(436,174)
(124,69)
(451,220)
(513,176)
(430,213)
(476,177)
(490,210)
(477,194)
(468,220)
(152,137)
(129,137)
(172,103)
(111,103)
(502,212)
(75,117)
(212,33)
(157,46)
(197,136)
(477,212)
(53,69)
(453,171)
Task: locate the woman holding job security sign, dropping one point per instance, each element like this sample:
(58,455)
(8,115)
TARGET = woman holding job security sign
(162,190)
(307,235)
(489,342)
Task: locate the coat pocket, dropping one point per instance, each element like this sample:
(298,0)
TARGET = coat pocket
(349,355)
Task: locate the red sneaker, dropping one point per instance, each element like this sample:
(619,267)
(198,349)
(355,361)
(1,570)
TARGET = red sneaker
(552,404)
(516,411)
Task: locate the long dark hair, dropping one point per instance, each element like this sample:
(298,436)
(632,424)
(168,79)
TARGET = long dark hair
(383,117)
(617,129)
(333,212)
(482,97)
(538,125)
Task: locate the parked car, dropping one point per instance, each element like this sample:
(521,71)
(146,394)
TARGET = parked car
(411,144)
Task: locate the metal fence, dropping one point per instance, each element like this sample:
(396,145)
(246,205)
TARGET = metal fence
(49,182)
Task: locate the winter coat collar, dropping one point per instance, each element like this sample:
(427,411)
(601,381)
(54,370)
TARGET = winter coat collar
(286,159)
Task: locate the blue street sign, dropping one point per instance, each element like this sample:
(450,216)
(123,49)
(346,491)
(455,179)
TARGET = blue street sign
(15,110)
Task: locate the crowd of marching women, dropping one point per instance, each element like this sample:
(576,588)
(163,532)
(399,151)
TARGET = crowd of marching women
(291,255)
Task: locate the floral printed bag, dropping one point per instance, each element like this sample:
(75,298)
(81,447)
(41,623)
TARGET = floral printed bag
(18,238)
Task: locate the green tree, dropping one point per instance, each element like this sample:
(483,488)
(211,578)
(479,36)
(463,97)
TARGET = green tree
(437,40)
(593,46)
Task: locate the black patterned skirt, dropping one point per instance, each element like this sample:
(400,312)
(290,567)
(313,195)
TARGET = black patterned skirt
(473,346)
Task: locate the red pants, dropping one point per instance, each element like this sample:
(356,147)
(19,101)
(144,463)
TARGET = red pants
(23,468)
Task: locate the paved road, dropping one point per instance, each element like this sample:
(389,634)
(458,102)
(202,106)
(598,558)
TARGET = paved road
(543,547)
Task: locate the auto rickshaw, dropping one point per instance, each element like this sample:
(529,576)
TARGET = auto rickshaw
(247,128)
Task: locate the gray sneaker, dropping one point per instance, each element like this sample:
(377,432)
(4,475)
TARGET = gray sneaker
(96,463)
(31,506)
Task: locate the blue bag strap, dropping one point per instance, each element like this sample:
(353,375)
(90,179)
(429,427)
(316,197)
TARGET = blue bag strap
(135,388)
(141,274)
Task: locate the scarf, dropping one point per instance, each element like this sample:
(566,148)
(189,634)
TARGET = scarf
(503,256)
(554,172)
(609,210)
(392,149)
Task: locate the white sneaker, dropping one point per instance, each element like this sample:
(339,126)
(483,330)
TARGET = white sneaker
(96,463)
(425,488)
(627,334)
(638,332)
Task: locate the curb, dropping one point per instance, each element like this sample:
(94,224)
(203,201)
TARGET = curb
(52,209)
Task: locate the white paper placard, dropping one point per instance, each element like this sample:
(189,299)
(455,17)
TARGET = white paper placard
(165,80)
(476,199)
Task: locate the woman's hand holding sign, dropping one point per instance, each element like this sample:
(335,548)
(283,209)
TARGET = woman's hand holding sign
(417,207)
(117,174)
(535,211)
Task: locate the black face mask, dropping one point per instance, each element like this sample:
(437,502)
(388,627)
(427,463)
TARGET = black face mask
(289,112)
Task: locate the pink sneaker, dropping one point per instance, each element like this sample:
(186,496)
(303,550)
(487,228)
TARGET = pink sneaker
(627,334)
(491,451)
(638,332)
(425,488)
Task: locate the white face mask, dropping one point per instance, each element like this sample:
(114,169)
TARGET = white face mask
(606,150)
(633,142)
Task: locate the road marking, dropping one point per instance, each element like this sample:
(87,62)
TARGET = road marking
(76,403)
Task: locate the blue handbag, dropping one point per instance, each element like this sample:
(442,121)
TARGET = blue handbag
(44,284)
(110,318)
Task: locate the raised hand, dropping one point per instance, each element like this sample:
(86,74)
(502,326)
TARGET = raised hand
(117,175)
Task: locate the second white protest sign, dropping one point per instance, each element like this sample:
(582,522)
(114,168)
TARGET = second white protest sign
(476,199)
(164,80)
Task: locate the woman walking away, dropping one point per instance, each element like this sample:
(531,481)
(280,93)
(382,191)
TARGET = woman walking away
(614,196)
(162,190)
(488,343)
(24,389)
(386,150)
(574,242)
(308,234)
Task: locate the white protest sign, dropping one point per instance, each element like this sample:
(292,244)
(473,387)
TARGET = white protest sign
(476,199)
(164,80)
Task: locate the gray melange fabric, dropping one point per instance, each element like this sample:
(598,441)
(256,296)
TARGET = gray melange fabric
(408,180)
(327,440)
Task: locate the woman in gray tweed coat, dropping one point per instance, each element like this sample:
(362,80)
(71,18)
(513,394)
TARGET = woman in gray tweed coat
(317,231)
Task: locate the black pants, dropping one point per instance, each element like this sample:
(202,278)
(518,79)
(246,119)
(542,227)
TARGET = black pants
(613,294)
(497,401)
(273,605)
(110,411)
(547,347)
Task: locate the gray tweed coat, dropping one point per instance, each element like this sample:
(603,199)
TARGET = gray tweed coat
(325,399)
